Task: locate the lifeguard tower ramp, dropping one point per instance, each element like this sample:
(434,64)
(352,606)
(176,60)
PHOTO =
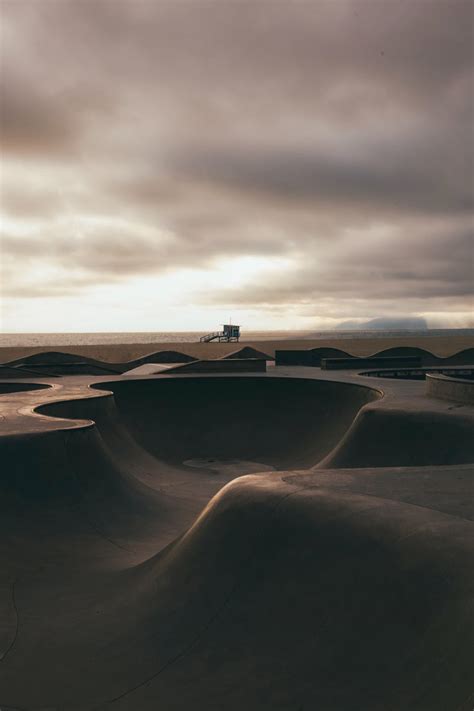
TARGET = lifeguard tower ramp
(228,334)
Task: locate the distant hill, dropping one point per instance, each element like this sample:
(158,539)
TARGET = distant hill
(412,323)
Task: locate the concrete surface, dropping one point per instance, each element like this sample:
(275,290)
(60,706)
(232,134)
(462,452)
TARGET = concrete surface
(248,352)
(451,388)
(52,363)
(141,571)
(222,365)
(373,361)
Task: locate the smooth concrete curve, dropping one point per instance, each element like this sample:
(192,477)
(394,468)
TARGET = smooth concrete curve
(140,573)
(460,388)
(286,423)
(52,363)
(247,352)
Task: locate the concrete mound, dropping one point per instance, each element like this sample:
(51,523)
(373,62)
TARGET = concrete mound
(324,599)
(59,363)
(161,357)
(285,593)
(311,357)
(372,362)
(319,353)
(50,358)
(221,365)
(8,372)
(464,357)
(401,436)
(55,363)
(423,356)
(77,368)
(247,352)
(314,357)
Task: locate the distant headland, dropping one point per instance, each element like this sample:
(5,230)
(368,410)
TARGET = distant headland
(404,323)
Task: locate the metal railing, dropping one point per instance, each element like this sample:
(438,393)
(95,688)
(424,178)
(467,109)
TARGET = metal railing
(220,335)
(211,337)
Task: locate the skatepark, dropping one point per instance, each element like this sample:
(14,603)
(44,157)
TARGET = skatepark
(296,539)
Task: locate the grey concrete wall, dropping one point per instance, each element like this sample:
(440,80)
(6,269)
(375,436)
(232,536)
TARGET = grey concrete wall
(446,388)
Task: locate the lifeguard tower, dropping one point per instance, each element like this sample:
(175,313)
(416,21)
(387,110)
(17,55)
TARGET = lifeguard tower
(228,334)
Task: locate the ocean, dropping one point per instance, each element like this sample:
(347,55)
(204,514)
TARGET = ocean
(86,339)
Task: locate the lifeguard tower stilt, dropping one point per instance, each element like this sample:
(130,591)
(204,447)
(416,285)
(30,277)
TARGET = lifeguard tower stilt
(228,334)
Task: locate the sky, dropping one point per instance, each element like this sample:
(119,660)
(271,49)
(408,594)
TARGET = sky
(170,164)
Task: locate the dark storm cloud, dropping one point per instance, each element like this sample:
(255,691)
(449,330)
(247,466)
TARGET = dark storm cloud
(243,128)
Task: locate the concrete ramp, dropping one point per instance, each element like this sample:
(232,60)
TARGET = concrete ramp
(325,599)
(400,436)
(50,358)
(222,365)
(14,372)
(424,356)
(56,363)
(247,352)
(311,357)
(287,592)
(162,357)
(147,369)
(464,357)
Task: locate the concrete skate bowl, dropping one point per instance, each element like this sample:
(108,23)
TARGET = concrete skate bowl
(233,425)
(288,423)
(284,423)
(6,388)
(277,422)
(331,590)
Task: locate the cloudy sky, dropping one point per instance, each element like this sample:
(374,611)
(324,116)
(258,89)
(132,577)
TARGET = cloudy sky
(168,164)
